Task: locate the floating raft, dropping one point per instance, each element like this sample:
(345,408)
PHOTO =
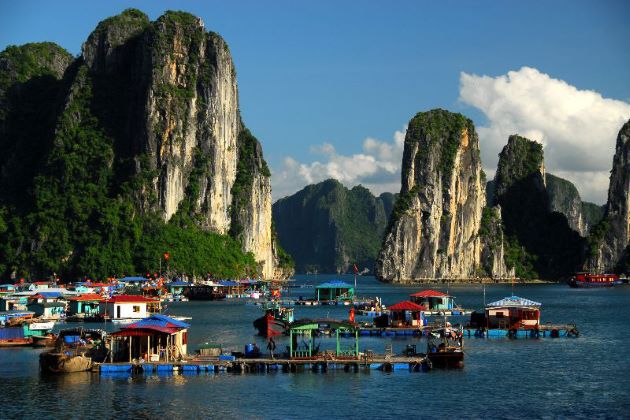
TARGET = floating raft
(543,331)
(262,365)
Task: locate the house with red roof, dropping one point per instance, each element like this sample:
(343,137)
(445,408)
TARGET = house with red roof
(406,314)
(128,307)
(433,300)
(157,338)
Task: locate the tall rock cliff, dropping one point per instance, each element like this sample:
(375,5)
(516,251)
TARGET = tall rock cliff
(542,244)
(433,231)
(30,80)
(327,227)
(493,254)
(609,239)
(564,198)
(160,100)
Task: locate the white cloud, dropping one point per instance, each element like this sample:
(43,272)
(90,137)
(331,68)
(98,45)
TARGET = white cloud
(377,167)
(578,128)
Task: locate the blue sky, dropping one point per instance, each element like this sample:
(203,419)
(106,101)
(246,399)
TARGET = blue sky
(331,73)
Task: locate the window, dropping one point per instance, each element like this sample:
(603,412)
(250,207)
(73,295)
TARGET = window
(136,308)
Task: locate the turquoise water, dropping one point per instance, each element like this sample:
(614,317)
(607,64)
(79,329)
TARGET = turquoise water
(578,378)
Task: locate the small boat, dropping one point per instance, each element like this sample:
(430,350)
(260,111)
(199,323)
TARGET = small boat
(19,329)
(445,349)
(47,340)
(275,321)
(594,280)
(76,350)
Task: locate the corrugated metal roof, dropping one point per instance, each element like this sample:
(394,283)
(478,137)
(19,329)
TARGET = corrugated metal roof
(335,284)
(513,301)
(158,320)
(130,299)
(406,306)
(430,293)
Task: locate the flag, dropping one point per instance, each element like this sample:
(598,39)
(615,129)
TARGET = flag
(355,268)
(167,256)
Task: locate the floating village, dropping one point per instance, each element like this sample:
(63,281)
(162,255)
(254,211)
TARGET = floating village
(149,340)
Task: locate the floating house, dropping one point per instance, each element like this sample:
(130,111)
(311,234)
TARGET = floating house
(433,300)
(46,306)
(309,328)
(335,290)
(7,289)
(406,314)
(85,305)
(125,307)
(177,287)
(513,313)
(157,338)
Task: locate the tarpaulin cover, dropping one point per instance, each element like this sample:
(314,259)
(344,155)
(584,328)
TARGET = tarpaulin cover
(11,333)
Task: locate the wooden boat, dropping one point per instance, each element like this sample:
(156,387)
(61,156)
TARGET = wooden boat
(445,349)
(76,350)
(47,340)
(275,321)
(594,280)
(20,330)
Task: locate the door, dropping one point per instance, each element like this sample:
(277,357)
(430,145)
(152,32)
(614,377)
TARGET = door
(117,311)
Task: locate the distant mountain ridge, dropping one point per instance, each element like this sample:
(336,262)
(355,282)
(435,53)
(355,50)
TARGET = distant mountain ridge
(327,227)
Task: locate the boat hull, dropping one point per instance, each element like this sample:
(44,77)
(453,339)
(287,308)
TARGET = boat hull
(587,284)
(16,342)
(268,326)
(60,363)
(446,360)
(44,340)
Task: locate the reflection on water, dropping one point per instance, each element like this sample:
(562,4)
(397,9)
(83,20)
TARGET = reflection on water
(584,377)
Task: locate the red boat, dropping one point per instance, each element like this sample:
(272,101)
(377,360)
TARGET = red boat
(275,321)
(594,280)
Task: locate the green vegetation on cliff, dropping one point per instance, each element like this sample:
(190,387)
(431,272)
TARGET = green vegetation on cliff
(327,227)
(539,243)
(76,188)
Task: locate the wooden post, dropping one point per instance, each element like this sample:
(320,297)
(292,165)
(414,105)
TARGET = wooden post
(310,344)
(356,343)
(290,343)
(130,341)
(337,334)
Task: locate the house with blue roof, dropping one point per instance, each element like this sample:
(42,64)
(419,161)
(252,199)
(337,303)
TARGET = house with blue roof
(335,290)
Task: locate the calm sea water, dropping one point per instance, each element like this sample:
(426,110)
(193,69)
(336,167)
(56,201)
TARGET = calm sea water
(587,377)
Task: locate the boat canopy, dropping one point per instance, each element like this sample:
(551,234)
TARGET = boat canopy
(229,283)
(513,301)
(324,323)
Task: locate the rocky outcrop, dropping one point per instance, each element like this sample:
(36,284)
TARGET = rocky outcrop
(493,245)
(565,198)
(30,86)
(162,98)
(188,139)
(433,231)
(327,227)
(609,239)
(543,243)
